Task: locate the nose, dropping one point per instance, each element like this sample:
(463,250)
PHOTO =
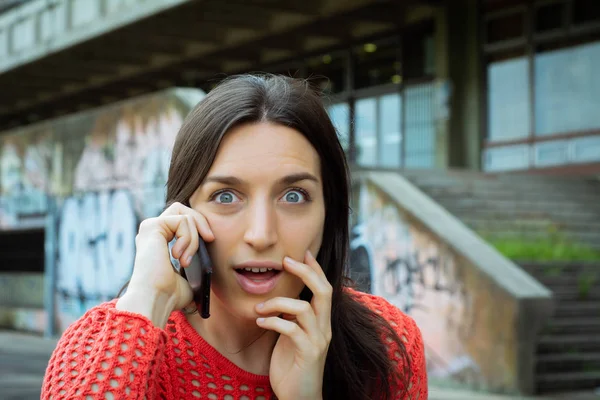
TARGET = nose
(261,232)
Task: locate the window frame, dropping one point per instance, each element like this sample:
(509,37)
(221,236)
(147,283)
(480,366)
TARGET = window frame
(529,44)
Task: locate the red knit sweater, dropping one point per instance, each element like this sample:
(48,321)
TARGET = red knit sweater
(123,353)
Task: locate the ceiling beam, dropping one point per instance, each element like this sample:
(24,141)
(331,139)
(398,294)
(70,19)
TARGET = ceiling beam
(204,16)
(309,8)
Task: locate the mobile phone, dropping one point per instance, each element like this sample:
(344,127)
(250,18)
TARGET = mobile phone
(199,274)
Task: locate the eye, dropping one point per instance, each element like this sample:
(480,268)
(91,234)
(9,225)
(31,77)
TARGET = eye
(296,196)
(225,197)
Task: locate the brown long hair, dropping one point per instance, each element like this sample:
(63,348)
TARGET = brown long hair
(358,366)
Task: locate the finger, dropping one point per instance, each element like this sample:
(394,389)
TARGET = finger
(200,222)
(289,329)
(176,226)
(202,226)
(297,309)
(192,248)
(325,321)
(320,287)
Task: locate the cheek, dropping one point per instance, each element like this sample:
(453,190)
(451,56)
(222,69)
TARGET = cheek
(301,234)
(227,234)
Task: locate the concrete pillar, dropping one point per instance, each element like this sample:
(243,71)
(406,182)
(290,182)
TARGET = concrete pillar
(464,71)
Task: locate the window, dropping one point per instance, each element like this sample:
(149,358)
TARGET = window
(366,131)
(420,126)
(567,83)
(372,104)
(508,99)
(564,81)
(542,82)
(379,131)
(340,117)
(391,134)
(390,125)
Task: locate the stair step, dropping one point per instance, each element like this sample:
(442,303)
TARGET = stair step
(441,179)
(559,267)
(545,224)
(568,362)
(571,343)
(512,194)
(576,293)
(575,325)
(580,308)
(586,239)
(554,278)
(564,381)
(557,214)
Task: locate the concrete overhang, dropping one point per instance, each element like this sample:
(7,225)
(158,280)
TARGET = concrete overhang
(60,56)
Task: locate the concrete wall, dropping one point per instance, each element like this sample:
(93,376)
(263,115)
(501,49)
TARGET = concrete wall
(89,179)
(22,301)
(22,289)
(478,312)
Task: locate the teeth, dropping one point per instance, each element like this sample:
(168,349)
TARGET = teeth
(258,270)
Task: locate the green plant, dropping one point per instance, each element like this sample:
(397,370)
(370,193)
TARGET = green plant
(585,282)
(553,247)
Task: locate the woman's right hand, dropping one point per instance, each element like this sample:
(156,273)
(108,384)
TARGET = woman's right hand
(156,289)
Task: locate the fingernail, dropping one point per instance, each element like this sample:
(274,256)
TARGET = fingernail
(260,320)
(188,260)
(260,305)
(289,260)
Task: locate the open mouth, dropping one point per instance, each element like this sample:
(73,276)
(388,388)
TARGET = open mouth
(258,274)
(257,280)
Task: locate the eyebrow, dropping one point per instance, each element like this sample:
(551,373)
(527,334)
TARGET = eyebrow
(286,180)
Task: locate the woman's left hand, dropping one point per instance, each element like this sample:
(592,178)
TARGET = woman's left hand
(298,359)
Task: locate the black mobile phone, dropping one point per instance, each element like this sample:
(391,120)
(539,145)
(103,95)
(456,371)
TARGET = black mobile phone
(198,274)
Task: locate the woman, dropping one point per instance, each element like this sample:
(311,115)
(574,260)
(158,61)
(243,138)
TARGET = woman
(258,173)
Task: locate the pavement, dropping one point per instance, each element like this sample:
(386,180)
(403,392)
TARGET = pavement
(24,357)
(23,361)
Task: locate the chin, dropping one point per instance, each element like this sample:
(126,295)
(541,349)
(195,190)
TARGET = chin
(238,305)
(247,311)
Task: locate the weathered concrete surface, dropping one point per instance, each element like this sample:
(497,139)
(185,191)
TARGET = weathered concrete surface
(479,313)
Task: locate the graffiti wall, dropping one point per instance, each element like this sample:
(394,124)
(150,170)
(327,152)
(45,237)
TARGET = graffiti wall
(25,176)
(105,171)
(457,310)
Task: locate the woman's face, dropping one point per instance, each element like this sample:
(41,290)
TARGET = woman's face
(263,199)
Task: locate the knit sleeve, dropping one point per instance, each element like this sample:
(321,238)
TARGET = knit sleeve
(410,334)
(107,354)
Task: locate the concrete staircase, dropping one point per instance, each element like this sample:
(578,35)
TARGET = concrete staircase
(569,346)
(538,208)
(528,206)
